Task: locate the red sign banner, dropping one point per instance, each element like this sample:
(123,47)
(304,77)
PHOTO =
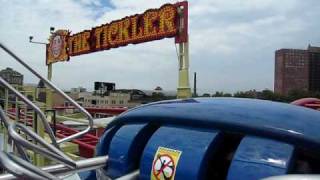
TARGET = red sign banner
(170,20)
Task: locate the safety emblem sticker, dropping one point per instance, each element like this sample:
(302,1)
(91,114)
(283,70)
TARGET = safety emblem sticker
(165,163)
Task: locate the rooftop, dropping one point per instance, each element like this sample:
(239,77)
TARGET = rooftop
(313,49)
(10,70)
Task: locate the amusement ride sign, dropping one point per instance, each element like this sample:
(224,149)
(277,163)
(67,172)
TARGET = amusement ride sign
(170,20)
(57,48)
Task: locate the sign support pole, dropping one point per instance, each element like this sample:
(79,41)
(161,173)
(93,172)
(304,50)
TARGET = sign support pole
(49,92)
(184,90)
(40,161)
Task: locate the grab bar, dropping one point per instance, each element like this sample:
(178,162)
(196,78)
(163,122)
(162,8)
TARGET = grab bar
(51,151)
(36,108)
(22,168)
(18,170)
(59,169)
(5,122)
(51,85)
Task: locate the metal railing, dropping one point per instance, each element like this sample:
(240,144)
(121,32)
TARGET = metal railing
(34,107)
(54,87)
(20,166)
(59,169)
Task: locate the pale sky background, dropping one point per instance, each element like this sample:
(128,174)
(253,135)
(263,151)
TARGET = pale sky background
(232,42)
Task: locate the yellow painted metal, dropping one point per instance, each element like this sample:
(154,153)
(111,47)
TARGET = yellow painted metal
(70,149)
(184,90)
(48,90)
(40,160)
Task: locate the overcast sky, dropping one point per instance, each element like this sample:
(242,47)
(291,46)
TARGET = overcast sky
(232,42)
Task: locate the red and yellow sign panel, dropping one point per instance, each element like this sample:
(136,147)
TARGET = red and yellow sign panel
(57,47)
(165,163)
(170,20)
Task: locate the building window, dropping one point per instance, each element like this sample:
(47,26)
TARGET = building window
(94,102)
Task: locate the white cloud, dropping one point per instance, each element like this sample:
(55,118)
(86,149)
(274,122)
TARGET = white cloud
(232,42)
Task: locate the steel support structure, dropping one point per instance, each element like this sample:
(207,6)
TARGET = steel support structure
(183,90)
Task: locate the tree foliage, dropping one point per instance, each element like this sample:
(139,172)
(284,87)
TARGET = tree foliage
(267,95)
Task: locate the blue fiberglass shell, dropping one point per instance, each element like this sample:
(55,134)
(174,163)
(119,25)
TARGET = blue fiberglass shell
(296,125)
(257,158)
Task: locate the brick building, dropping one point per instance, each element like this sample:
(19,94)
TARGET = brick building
(297,69)
(314,71)
(11,76)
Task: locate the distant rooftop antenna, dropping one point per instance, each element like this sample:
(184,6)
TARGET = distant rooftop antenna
(195,85)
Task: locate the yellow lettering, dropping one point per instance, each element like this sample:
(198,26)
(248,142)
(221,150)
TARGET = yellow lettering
(152,25)
(105,43)
(136,30)
(97,35)
(78,43)
(112,32)
(85,38)
(124,30)
(167,20)
(149,19)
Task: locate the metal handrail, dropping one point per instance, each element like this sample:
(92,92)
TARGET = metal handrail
(49,150)
(22,168)
(36,109)
(16,169)
(51,85)
(5,122)
(28,166)
(59,169)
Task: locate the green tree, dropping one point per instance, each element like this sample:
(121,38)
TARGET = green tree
(297,94)
(227,95)
(206,95)
(246,94)
(218,94)
(270,95)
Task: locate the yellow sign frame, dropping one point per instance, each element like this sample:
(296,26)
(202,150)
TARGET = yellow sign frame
(57,47)
(165,163)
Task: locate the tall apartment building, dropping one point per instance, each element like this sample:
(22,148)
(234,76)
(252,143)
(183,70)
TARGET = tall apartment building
(314,71)
(297,69)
